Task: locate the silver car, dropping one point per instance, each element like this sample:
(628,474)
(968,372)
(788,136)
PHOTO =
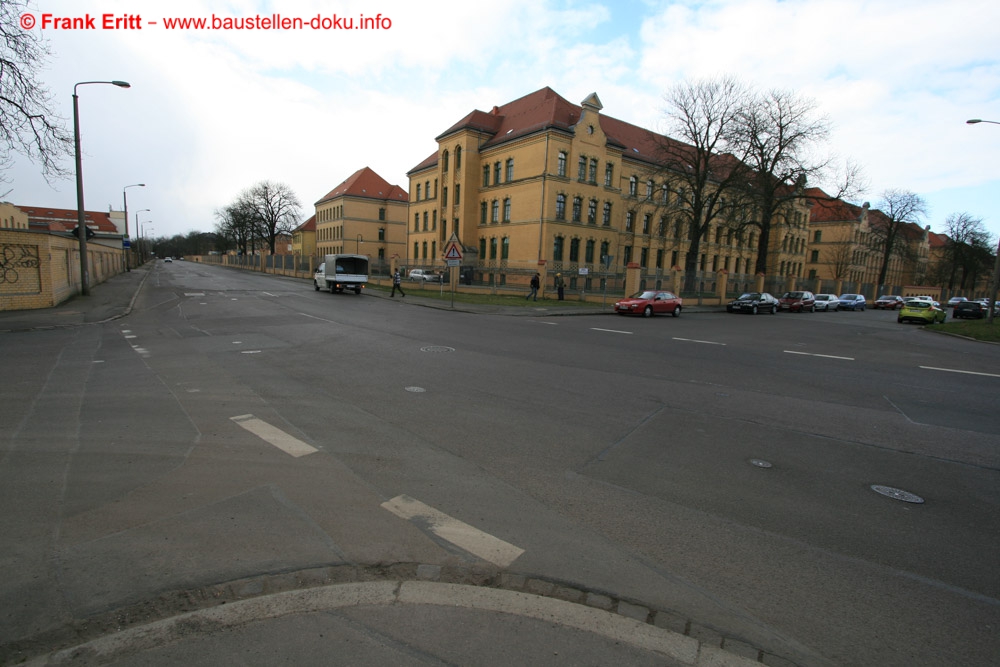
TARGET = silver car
(827,302)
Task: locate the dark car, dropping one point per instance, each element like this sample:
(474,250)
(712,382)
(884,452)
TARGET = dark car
(888,302)
(753,302)
(797,302)
(649,302)
(972,310)
(852,302)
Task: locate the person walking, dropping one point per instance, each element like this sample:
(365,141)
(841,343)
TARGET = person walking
(560,286)
(535,284)
(397,281)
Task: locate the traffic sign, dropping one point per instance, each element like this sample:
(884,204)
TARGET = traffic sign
(453,252)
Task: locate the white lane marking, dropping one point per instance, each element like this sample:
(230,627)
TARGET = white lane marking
(825,356)
(463,535)
(954,370)
(275,436)
(628,333)
(194,294)
(250,352)
(694,340)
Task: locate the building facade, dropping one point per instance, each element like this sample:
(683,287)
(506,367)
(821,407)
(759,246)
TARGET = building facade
(364,215)
(541,181)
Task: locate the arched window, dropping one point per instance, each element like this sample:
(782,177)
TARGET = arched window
(557,249)
(510,169)
(444,161)
(506,209)
(633,185)
(561,169)
(560,207)
(458,157)
(577,208)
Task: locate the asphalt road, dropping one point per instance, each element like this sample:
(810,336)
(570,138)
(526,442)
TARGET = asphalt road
(717,465)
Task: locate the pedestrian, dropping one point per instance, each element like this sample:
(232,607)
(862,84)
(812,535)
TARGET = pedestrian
(536,282)
(560,286)
(397,284)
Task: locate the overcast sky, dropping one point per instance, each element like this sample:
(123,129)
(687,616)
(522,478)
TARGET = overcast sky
(210,113)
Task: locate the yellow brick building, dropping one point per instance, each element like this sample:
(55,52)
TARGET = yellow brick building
(543,182)
(364,215)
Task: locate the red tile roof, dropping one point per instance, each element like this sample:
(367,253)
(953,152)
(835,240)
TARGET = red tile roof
(366,183)
(827,209)
(544,110)
(307,226)
(65,220)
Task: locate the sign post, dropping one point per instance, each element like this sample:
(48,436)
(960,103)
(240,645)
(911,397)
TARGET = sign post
(453,257)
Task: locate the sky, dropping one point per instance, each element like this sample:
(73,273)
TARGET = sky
(212,112)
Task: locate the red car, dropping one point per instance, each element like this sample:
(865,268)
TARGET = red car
(649,302)
(888,302)
(797,302)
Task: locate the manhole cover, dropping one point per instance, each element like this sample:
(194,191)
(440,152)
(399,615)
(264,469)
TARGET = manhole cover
(897,494)
(416,390)
(760,463)
(437,348)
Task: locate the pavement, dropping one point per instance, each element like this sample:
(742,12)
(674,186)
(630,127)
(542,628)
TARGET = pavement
(408,613)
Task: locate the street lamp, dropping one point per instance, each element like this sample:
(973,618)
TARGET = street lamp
(357,245)
(81,230)
(995,282)
(125,201)
(137,229)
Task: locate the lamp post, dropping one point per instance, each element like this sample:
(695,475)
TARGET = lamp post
(141,210)
(81,229)
(125,209)
(357,244)
(144,233)
(995,282)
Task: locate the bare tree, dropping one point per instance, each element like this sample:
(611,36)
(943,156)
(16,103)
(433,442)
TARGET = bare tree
(777,133)
(967,248)
(274,209)
(896,209)
(27,124)
(235,222)
(841,259)
(702,115)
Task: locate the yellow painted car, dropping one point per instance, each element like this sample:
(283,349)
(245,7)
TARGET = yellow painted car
(924,312)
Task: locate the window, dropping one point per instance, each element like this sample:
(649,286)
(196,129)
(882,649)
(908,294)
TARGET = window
(593,170)
(609,172)
(416,250)
(381,233)
(589,257)
(416,222)
(444,166)
(495,212)
(496,173)
(644,257)
(574,250)
(664,194)
(661,229)
(627,254)
(381,214)
(505,248)
(557,249)
(633,184)
(649,189)
(510,169)
(425,249)
(817,236)
(562,163)
(458,158)
(482,212)
(444,196)
(434,219)
(458,194)
(659,259)
(645,225)
(561,207)
(506,209)
(425,221)
(493,248)
(482,247)
(605,248)
(606,221)
(577,208)
(486,176)
(418,191)
(592,212)
(629,221)
(814,257)
(581,170)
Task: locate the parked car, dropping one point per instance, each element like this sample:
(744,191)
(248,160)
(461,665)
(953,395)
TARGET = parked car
(425,276)
(650,302)
(888,302)
(852,301)
(753,302)
(955,300)
(168,259)
(928,299)
(972,310)
(827,302)
(918,310)
(797,302)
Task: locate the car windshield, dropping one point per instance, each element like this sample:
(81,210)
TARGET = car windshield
(823,297)
(792,295)
(750,295)
(848,297)
(918,304)
(887,297)
(643,295)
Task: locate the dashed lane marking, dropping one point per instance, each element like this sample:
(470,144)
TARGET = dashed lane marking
(704,342)
(825,356)
(460,534)
(275,436)
(955,370)
(627,333)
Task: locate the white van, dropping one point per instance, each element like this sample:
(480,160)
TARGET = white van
(340,272)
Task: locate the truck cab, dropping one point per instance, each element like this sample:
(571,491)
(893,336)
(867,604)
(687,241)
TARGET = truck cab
(342,272)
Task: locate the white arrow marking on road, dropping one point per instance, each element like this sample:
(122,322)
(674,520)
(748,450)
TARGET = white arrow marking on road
(460,534)
(275,436)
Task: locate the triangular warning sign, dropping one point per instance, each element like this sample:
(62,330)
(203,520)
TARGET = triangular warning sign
(453,252)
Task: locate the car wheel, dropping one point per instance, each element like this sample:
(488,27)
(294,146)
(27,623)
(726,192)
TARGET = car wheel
(753,310)
(648,312)
(812,309)
(677,312)
(899,320)
(774,309)
(357,290)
